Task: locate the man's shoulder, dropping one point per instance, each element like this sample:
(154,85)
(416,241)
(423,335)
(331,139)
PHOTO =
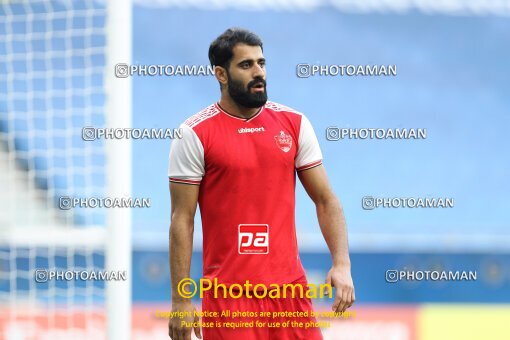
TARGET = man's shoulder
(202,116)
(280,108)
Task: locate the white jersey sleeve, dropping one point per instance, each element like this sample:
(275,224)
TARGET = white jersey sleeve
(186,160)
(309,154)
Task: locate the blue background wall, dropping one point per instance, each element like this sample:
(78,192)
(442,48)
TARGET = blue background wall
(452,80)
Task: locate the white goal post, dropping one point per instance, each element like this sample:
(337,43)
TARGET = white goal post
(118,250)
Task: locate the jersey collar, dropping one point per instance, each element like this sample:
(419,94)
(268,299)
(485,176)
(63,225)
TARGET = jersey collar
(217,104)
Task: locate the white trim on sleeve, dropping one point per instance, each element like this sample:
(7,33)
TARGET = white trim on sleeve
(186,160)
(309,153)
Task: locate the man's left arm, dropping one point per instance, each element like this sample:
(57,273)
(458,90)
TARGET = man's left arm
(333,228)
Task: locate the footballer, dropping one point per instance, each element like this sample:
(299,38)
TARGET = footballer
(237,160)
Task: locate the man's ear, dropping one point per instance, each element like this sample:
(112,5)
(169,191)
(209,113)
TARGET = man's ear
(221,74)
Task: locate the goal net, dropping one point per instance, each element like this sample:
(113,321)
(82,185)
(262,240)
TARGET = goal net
(56,77)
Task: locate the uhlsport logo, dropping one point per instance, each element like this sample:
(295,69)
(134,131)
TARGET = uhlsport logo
(251,130)
(283,141)
(253,239)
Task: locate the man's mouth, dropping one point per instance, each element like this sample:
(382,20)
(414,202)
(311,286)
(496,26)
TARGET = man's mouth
(259,87)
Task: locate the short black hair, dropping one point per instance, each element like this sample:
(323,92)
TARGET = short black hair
(221,49)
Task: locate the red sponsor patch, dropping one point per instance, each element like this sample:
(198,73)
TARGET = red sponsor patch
(253,239)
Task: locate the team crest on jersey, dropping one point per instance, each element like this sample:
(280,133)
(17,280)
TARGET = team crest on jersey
(283,141)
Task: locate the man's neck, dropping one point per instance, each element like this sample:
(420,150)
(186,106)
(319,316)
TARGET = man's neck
(234,109)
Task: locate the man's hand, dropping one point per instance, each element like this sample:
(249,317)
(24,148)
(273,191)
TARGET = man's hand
(176,329)
(340,278)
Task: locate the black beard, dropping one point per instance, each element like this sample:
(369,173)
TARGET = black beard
(244,97)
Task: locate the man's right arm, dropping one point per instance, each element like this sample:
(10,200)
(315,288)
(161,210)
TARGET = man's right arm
(185,171)
(184,199)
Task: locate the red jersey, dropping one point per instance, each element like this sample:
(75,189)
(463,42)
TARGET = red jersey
(246,170)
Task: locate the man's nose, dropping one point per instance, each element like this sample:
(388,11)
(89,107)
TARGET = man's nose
(258,71)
